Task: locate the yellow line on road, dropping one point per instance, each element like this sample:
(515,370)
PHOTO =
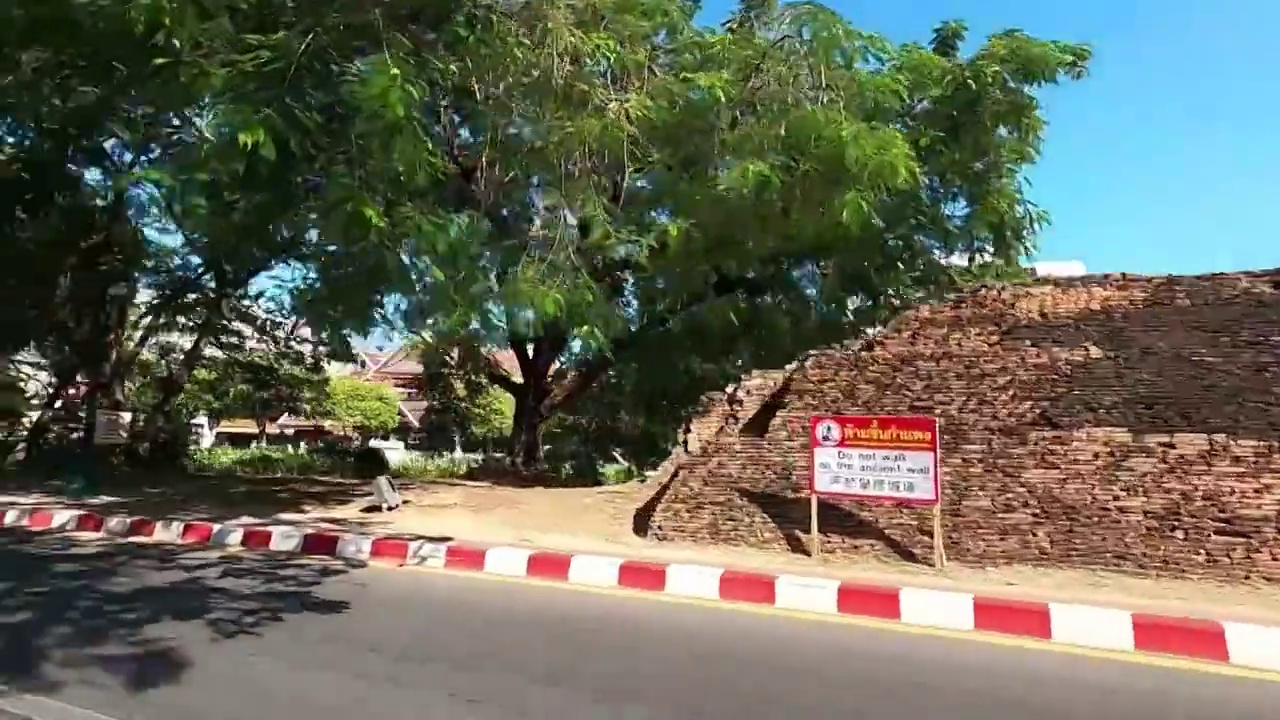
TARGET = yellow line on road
(1136,658)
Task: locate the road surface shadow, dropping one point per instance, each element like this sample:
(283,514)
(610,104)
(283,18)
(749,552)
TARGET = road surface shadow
(68,605)
(184,496)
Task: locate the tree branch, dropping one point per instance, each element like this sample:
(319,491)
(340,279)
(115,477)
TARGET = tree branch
(589,373)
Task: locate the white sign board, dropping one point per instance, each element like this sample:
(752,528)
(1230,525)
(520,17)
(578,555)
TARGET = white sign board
(111,427)
(890,474)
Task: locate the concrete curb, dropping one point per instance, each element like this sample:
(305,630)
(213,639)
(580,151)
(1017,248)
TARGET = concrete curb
(1235,643)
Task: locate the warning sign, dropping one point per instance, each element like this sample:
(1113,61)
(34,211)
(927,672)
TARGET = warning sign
(876,457)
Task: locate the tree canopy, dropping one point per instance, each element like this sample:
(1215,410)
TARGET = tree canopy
(366,407)
(618,178)
(262,386)
(606,188)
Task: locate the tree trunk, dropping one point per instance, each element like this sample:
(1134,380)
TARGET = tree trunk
(121,361)
(160,417)
(525,443)
(115,288)
(105,389)
(100,395)
(90,426)
(39,429)
(536,358)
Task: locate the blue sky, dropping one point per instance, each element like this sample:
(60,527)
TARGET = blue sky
(1163,160)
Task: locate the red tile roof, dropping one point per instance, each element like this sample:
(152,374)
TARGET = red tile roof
(507,359)
(392,367)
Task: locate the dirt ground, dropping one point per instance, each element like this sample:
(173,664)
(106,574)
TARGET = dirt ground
(598,520)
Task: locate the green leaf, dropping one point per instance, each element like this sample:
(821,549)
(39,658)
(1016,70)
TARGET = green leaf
(267,148)
(373,215)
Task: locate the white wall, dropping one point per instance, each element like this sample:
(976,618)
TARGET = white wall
(1059,268)
(1042,268)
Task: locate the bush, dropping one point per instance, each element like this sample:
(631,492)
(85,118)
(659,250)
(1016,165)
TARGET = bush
(263,461)
(338,455)
(434,467)
(619,473)
(364,463)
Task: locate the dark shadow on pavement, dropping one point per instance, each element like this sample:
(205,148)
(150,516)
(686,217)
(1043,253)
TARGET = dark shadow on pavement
(72,605)
(184,496)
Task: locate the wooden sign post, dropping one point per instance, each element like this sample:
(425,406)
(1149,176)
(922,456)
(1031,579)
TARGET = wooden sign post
(876,458)
(939,544)
(815,534)
(112,427)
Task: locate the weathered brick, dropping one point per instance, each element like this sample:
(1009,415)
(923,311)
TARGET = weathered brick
(1111,422)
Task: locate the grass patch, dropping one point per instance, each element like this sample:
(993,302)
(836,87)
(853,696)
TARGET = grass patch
(275,461)
(282,461)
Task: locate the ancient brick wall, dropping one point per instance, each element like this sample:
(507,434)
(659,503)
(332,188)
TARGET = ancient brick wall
(721,412)
(1105,422)
(718,413)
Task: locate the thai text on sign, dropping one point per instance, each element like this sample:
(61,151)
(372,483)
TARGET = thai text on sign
(876,457)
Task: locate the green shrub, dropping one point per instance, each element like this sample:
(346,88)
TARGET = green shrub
(434,467)
(346,462)
(619,473)
(263,461)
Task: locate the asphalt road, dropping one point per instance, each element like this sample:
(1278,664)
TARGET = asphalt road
(162,633)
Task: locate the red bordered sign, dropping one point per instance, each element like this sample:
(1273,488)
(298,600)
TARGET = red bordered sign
(886,458)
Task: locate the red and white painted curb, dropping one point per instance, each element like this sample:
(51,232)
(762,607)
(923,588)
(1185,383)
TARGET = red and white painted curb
(1236,643)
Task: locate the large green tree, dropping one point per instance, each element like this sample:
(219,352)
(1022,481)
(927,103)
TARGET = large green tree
(618,176)
(589,183)
(263,385)
(88,100)
(173,155)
